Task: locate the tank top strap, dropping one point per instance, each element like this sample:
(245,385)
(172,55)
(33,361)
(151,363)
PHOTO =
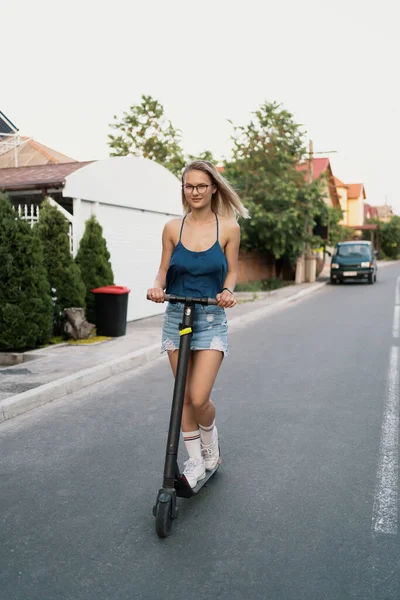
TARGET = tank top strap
(216,217)
(183,222)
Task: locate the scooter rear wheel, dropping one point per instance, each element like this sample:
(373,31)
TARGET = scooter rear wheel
(164,518)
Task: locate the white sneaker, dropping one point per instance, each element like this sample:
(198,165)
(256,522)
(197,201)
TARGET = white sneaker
(210,453)
(194,471)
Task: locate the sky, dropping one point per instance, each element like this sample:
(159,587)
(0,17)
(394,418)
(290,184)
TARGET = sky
(68,68)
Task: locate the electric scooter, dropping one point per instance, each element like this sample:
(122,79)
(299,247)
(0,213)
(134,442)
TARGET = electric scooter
(175,484)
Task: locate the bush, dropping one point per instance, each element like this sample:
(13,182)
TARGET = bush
(26,310)
(63,274)
(94,261)
(381,255)
(390,237)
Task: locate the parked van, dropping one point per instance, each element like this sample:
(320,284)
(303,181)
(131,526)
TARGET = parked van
(354,260)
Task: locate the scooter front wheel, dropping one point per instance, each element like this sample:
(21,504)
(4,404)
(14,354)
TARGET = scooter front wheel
(163,514)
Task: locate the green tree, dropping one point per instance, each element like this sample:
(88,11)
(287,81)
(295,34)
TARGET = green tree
(206,155)
(64,275)
(144,131)
(26,309)
(283,205)
(93,259)
(389,234)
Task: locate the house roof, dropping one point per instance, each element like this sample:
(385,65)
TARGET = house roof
(355,190)
(338,182)
(370,212)
(319,166)
(30,153)
(37,177)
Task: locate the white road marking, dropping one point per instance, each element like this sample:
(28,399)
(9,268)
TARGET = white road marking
(397,302)
(396,321)
(384,512)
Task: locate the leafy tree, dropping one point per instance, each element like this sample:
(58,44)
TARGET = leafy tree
(206,155)
(144,131)
(330,217)
(94,261)
(283,205)
(26,310)
(63,274)
(389,234)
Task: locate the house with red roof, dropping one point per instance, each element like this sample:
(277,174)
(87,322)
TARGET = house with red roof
(356,197)
(352,201)
(370,212)
(322,167)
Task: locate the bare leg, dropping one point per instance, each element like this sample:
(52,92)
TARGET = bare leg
(204,370)
(189,422)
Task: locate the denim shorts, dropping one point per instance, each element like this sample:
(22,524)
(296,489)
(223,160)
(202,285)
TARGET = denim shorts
(210,328)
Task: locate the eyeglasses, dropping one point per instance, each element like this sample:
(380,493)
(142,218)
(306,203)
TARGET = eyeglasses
(200,189)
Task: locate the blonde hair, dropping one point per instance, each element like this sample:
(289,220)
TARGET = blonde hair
(225,201)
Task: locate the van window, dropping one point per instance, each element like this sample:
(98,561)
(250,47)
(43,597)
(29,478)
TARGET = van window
(354,250)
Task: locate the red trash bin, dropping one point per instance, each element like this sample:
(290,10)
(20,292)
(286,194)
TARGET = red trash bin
(111,310)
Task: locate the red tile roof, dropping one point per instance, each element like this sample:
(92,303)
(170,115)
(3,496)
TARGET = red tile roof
(370,212)
(38,176)
(355,190)
(319,166)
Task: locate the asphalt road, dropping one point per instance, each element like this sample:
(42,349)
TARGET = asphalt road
(304,506)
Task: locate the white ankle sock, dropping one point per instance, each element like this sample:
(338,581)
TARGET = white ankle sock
(207,433)
(192,443)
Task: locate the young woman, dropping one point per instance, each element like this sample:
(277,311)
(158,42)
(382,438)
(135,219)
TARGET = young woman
(199,258)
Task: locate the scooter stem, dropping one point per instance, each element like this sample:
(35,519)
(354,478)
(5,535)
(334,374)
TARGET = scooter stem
(170,468)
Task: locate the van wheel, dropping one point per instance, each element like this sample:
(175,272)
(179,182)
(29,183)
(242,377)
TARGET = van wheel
(371,278)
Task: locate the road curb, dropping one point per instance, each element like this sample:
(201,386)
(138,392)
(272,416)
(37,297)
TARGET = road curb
(21,403)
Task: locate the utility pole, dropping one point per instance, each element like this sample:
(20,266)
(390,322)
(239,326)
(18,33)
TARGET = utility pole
(311,260)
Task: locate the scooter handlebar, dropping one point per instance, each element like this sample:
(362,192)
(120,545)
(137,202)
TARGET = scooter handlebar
(189,300)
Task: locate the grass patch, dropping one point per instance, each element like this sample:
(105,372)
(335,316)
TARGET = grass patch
(58,339)
(91,340)
(263,285)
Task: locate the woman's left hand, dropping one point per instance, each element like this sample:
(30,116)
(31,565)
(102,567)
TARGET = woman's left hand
(226,299)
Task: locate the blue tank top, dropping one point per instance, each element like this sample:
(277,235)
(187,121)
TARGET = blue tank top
(198,274)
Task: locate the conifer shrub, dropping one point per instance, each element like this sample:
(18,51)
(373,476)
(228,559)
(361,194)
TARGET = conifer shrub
(93,259)
(67,287)
(26,310)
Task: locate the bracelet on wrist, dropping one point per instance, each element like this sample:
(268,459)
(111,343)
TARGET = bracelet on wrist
(227,289)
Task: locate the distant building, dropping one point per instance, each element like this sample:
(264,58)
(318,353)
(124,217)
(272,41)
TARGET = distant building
(22,151)
(385,213)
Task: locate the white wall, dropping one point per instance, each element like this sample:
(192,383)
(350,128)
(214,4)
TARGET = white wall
(134,242)
(132,199)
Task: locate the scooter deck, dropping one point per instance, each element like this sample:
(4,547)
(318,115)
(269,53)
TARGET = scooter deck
(183,489)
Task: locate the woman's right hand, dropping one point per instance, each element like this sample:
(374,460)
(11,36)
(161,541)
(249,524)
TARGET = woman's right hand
(155,294)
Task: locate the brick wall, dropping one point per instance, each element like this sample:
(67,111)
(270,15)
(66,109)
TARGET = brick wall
(253,267)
